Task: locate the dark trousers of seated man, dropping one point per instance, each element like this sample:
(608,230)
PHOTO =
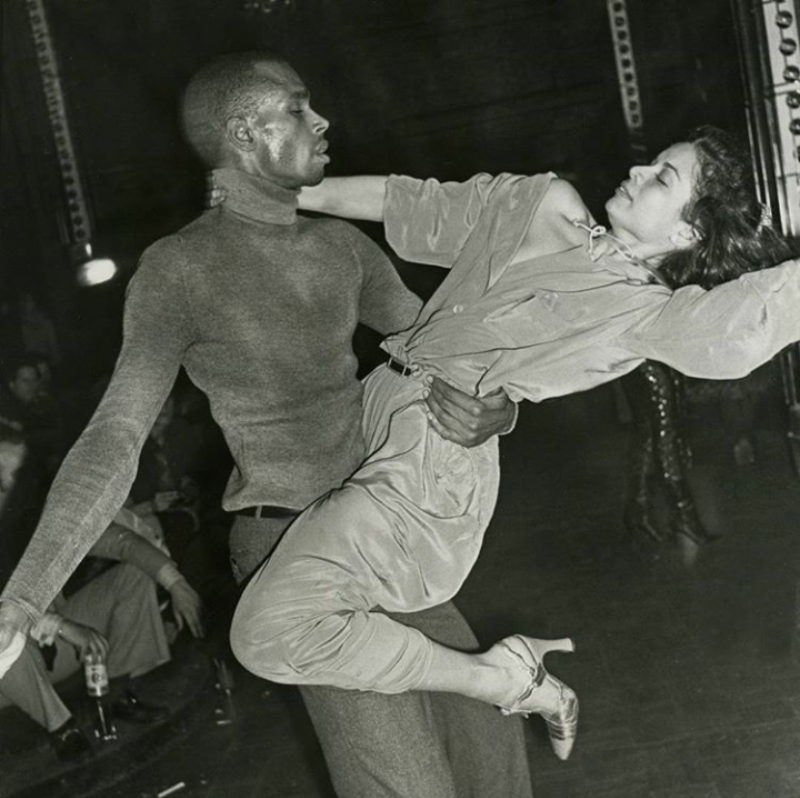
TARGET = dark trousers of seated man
(410,745)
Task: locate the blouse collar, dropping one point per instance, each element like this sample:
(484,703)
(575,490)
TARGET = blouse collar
(627,265)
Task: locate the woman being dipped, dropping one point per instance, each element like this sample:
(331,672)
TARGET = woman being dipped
(542,301)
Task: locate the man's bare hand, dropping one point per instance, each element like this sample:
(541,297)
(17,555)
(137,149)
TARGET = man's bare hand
(86,641)
(214,194)
(468,420)
(187,607)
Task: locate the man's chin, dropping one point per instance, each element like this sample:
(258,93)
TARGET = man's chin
(316,177)
(313,176)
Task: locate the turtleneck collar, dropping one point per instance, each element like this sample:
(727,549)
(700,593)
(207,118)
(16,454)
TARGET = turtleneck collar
(257,198)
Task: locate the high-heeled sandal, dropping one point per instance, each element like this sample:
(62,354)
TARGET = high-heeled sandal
(562,715)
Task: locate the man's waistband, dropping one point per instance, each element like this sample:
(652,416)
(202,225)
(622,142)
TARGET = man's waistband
(268,511)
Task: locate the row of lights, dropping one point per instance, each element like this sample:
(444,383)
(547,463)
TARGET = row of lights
(628,80)
(91,270)
(783,53)
(265,6)
(791,72)
(626,67)
(54,98)
(784,21)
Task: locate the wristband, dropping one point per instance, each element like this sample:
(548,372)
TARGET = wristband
(32,617)
(45,631)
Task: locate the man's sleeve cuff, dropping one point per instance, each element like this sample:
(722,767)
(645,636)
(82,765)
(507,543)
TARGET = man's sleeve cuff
(512,426)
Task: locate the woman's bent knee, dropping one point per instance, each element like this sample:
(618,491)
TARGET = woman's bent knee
(259,641)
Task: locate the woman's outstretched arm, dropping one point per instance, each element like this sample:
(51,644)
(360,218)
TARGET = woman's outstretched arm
(350,197)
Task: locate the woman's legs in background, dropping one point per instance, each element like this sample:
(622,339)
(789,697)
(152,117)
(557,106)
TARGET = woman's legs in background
(660,456)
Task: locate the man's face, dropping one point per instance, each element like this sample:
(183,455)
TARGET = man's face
(288,135)
(25,385)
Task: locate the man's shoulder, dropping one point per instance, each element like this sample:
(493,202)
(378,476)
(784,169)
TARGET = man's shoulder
(328,225)
(184,247)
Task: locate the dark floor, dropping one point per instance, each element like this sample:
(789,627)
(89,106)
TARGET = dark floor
(685,664)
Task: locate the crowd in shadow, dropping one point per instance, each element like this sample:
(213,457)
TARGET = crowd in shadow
(158,571)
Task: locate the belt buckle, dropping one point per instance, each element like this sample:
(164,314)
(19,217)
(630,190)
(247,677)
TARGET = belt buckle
(403,369)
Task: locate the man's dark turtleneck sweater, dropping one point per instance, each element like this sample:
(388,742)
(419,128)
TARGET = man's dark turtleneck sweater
(259,305)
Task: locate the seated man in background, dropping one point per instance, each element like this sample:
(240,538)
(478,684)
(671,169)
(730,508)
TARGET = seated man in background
(115,617)
(172,476)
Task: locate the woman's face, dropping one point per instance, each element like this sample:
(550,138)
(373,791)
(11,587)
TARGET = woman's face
(646,209)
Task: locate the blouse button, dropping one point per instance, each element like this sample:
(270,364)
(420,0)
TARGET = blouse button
(458,308)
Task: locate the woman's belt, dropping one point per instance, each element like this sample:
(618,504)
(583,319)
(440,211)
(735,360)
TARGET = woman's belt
(403,369)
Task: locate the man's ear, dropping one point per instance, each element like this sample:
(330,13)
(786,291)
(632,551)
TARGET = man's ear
(685,235)
(239,134)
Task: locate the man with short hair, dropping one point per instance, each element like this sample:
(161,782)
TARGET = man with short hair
(260,305)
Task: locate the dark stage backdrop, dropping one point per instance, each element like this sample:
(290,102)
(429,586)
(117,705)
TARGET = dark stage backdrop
(426,87)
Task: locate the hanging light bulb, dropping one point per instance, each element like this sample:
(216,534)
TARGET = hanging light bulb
(96,272)
(91,271)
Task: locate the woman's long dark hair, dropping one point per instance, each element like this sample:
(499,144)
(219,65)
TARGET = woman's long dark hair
(733,237)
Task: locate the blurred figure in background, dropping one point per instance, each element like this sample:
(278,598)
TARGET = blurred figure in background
(37,329)
(737,402)
(12,456)
(27,406)
(164,488)
(660,457)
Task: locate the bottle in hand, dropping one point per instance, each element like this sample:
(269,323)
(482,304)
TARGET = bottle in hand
(97,687)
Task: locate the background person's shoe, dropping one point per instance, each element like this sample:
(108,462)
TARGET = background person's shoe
(131,709)
(69,742)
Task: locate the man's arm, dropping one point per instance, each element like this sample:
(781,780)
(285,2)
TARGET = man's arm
(724,333)
(119,543)
(85,640)
(97,473)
